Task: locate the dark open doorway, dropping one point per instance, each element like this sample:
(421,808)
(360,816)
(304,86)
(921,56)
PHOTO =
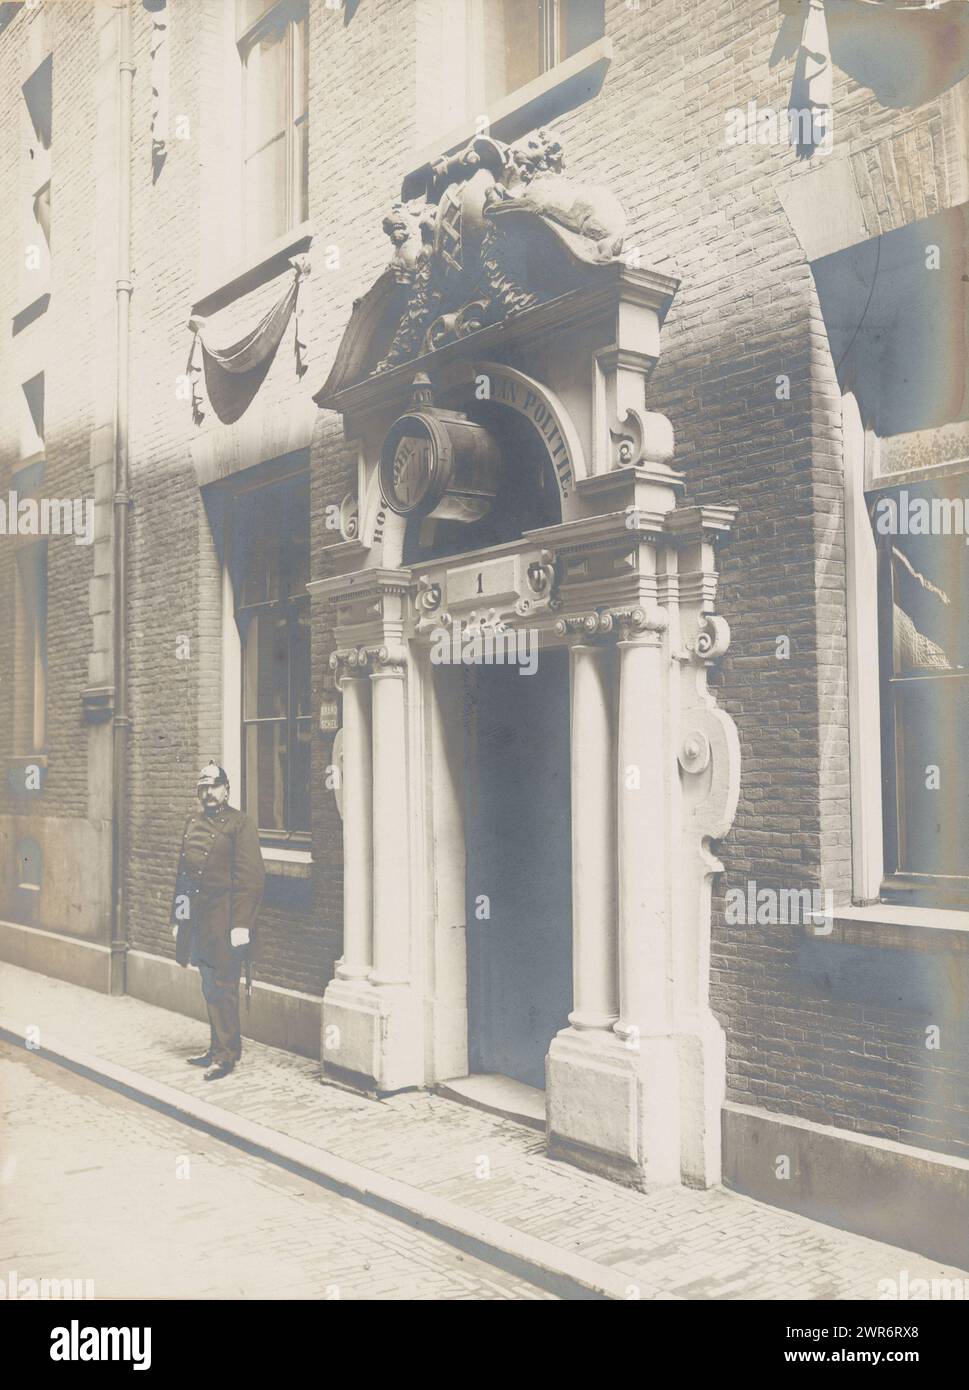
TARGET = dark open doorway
(518,829)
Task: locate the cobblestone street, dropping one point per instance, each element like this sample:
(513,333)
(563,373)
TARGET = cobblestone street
(151,1230)
(95,1187)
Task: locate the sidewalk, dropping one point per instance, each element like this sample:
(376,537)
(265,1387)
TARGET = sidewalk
(480,1181)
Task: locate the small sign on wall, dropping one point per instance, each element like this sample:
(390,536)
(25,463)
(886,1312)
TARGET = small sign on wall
(329,716)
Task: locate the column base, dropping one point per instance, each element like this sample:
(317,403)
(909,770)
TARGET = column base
(640,1116)
(372,1035)
(702,1052)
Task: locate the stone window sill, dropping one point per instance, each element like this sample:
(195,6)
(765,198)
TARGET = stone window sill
(287,863)
(560,89)
(895,927)
(255,270)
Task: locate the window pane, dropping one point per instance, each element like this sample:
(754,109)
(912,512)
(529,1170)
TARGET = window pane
(932,731)
(271,545)
(265,754)
(297,537)
(256,546)
(930,573)
(301,70)
(266,87)
(301,661)
(512,45)
(266,667)
(299,795)
(272,542)
(266,182)
(581,22)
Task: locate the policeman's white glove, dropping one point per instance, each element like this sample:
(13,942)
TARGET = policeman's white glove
(175,926)
(239,936)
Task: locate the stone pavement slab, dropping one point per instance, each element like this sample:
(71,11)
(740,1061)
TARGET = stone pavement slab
(490,1173)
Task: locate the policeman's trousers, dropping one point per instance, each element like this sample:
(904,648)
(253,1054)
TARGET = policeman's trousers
(220,990)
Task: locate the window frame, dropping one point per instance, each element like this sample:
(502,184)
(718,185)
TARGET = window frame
(551,50)
(294,606)
(297,188)
(899,884)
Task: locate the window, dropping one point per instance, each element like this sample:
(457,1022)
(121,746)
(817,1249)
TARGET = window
(923,629)
(269,558)
(897,332)
(275,83)
(521,39)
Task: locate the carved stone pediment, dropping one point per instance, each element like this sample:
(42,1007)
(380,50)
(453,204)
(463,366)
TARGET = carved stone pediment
(499,229)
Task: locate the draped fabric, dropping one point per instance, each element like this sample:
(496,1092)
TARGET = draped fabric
(235,373)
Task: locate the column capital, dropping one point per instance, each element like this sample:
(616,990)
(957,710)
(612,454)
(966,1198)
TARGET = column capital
(360,663)
(643,623)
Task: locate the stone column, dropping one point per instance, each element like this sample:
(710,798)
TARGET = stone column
(643,833)
(391,904)
(357,959)
(594,970)
(645,769)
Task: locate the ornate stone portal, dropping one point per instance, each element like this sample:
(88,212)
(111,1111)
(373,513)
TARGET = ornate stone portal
(508,303)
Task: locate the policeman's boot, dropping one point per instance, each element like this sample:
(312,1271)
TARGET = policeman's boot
(219,1070)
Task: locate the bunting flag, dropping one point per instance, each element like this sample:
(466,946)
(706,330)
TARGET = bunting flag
(233,374)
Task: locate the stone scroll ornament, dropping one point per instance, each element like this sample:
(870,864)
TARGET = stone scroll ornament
(499,229)
(232,375)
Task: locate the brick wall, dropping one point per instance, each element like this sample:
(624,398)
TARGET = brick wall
(359,120)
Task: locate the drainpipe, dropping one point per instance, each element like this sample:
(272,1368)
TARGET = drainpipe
(121,723)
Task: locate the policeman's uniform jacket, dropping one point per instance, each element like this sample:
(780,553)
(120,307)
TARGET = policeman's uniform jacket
(221,875)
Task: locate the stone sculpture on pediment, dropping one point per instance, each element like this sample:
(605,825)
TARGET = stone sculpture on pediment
(499,229)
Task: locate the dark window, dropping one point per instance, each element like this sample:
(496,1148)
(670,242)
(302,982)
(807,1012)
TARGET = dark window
(270,549)
(275,156)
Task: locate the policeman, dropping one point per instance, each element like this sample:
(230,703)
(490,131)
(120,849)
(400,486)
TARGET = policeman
(218,890)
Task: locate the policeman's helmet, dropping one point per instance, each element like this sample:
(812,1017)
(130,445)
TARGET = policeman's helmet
(212,776)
